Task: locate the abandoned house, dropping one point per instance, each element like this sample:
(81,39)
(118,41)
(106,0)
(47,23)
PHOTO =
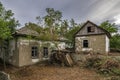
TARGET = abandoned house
(24,51)
(91,37)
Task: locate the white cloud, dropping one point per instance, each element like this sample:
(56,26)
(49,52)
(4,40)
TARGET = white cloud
(81,10)
(117,19)
(103,10)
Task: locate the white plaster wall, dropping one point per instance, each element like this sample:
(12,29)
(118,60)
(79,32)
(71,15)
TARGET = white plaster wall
(78,44)
(87,49)
(12,50)
(61,45)
(35,60)
(107,44)
(26,43)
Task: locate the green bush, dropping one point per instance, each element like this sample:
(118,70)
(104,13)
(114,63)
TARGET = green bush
(115,41)
(102,65)
(116,71)
(109,64)
(93,62)
(115,78)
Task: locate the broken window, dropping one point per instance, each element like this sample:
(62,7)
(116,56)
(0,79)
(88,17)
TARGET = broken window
(90,29)
(34,52)
(45,52)
(85,43)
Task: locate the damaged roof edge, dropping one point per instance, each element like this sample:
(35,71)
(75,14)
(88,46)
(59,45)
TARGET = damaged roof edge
(106,32)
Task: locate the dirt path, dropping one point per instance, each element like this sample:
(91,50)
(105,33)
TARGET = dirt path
(38,72)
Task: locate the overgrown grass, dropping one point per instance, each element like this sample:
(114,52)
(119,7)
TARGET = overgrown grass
(104,66)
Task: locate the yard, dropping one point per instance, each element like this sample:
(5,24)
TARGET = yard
(46,71)
(52,72)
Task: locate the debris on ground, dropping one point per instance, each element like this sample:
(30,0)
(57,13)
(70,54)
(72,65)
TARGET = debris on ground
(51,72)
(4,76)
(62,57)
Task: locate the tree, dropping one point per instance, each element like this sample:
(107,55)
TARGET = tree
(70,34)
(74,27)
(51,24)
(7,27)
(43,31)
(64,28)
(52,18)
(110,27)
(35,27)
(55,28)
(72,23)
(115,41)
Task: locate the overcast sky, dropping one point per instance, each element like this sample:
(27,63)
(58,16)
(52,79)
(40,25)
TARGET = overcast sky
(80,10)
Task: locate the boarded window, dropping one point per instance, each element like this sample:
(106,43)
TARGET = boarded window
(90,29)
(45,52)
(34,52)
(85,43)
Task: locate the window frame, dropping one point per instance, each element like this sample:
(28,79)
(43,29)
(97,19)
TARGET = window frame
(45,52)
(90,29)
(85,44)
(34,52)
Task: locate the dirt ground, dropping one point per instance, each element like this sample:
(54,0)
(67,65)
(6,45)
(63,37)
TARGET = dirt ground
(52,72)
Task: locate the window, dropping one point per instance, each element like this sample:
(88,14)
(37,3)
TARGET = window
(85,43)
(34,52)
(45,52)
(90,29)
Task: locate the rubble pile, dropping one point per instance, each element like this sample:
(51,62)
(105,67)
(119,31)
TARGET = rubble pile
(62,57)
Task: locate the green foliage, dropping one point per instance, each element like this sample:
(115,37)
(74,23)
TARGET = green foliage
(93,62)
(110,67)
(116,71)
(110,27)
(7,27)
(52,17)
(106,66)
(70,34)
(115,78)
(52,21)
(72,30)
(54,27)
(7,23)
(35,27)
(5,32)
(115,41)
(72,22)
(64,28)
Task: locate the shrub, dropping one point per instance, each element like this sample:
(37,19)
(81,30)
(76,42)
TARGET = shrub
(110,64)
(109,67)
(102,65)
(115,78)
(93,62)
(116,71)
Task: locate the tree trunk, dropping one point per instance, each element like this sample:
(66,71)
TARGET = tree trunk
(3,54)
(4,64)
